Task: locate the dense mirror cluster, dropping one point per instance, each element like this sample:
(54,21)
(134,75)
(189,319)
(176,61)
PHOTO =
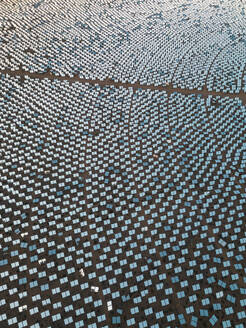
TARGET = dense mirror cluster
(191,44)
(122,164)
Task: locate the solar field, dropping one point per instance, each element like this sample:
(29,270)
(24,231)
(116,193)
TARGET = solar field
(122,163)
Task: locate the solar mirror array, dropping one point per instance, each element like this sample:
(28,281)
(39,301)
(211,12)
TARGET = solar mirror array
(122,163)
